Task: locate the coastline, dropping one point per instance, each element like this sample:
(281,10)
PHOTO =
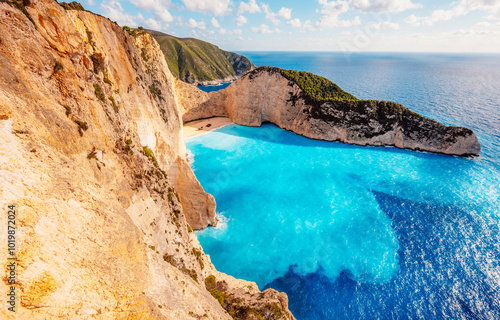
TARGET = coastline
(203,126)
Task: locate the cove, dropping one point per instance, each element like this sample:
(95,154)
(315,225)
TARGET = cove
(351,232)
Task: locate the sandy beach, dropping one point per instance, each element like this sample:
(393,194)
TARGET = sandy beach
(203,126)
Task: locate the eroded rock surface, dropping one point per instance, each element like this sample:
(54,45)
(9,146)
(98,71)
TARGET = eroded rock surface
(92,154)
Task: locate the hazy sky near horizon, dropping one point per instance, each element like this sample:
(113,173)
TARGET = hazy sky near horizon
(318,25)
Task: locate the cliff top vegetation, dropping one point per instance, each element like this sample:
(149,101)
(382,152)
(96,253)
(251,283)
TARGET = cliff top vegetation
(315,88)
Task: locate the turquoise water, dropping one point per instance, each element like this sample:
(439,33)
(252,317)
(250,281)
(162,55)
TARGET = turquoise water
(354,232)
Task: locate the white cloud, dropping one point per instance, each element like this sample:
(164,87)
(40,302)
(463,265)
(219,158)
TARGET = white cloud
(114,11)
(250,7)
(484,4)
(196,25)
(460,9)
(308,25)
(331,11)
(285,13)
(493,6)
(90,2)
(164,15)
(147,5)
(383,5)
(152,24)
(241,20)
(270,15)
(235,31)
(494,16)
(217,7)
(414,20)
(263,28)
(160,9)
(295,23)
(385,26)
(482,24)
(439,15)
(215,23)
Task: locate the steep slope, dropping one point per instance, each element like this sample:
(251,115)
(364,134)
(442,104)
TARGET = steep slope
(199,62)
(314,107)
(92,155)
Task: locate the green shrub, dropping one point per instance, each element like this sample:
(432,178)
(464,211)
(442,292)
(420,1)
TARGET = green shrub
(58,66)
(113,103)
(91,154)
(129,31)
(170,259)
(82,125)
(144,55)
(98,92)
(149,154)
(23,9)
(68,110)
(191,273)
(89,36)
(98,62)
(220,296)
(128,147)
(155,91)
(72,6)
(210,282)
(315,88)
(107,80)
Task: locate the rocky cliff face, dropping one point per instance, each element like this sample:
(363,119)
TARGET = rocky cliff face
(92,154)
(266,95)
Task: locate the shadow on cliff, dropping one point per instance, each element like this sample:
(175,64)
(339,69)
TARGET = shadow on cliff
(448,268)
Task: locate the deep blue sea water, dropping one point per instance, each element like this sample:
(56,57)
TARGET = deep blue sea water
(353,232)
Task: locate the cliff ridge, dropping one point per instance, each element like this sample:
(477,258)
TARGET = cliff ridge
(201,63)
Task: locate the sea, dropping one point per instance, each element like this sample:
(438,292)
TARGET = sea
(351,232)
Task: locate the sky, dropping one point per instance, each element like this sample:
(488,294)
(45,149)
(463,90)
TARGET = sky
(318,25)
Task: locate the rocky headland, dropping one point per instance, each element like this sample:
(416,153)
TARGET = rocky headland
(200,63)
(316,108)
(92,154)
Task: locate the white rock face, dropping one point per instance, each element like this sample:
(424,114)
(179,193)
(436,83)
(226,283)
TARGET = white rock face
(266,96)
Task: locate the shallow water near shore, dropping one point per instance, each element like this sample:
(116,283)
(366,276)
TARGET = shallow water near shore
(353,232)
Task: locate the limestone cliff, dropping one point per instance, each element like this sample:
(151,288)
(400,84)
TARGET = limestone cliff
(279,96)
(91,152)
